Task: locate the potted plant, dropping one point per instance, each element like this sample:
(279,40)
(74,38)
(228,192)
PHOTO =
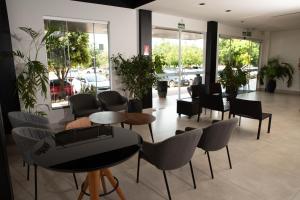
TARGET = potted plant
(275,70)
(137,76)
(161,84)
(233,76)
(33,77)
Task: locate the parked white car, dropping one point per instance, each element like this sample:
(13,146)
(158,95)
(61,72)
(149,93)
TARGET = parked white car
(97,80)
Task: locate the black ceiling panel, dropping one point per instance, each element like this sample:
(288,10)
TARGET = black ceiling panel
(119,3)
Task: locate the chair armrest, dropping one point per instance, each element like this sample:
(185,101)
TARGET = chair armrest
(189,128)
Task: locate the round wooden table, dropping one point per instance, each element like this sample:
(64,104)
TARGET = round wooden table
(107,117)
(139,119)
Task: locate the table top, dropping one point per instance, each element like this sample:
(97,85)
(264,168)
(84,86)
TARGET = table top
(139,118)
(85,149)
(107,117)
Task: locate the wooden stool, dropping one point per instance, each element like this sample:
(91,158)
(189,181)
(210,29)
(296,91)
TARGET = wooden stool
(95,179)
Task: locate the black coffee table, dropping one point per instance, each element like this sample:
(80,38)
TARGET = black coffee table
(87,150)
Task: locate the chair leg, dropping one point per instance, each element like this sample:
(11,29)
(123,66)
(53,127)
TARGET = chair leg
(150,128)
(28,171)
(35,182)
(240,121)
(167,185)
(130,126)
(75,180)
(192,172)
(229,116)
(270,121)
(138,169)
(229,160)
(211,170)
(23,163)
(222,115)
(258,132)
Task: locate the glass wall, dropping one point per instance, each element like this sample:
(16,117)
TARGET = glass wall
(245,51)
(78,59)
(165,42)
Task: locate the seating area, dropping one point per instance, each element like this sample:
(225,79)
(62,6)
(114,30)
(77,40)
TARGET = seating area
(149,100)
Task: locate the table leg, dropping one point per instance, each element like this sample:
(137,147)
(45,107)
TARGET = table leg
(113,182)
(122,124)
(94,184)
(150,128)
(130,126)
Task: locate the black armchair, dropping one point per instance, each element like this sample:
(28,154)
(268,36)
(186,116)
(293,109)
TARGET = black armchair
(249,109)
(171,154)
(112,101)
(82,105)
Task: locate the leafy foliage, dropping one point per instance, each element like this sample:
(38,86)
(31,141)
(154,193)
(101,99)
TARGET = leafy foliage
(191,55)
(101,58)
(233,75)
(33,77)
(245,51)
(66,50)
(276,70)
(137,74)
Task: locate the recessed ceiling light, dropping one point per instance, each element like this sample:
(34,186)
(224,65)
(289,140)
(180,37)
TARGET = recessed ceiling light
(227,10)
(201,4)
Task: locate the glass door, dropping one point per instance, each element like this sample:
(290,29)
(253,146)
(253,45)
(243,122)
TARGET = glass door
(183,53)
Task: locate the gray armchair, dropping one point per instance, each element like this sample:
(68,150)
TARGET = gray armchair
(25,138)
(26,119)
(82,105)
(215,137)
(112,101)
(171,154)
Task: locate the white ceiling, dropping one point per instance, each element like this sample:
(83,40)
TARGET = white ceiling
(272,15)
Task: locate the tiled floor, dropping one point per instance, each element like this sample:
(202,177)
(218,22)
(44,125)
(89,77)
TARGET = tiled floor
(268,169)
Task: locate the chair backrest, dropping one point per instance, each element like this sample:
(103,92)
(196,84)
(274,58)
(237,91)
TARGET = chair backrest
(216,88)
(213,102)
(176,151)
(110,98)
(80,102)
(27,137)
(217,135)
(26,119)
(247,108)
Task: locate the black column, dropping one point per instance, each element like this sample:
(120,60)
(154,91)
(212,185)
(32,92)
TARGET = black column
(145,45)
(8,90)
(6,192)
(211,53)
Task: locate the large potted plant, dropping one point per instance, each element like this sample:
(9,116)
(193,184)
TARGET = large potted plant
(33,75)
(161,84)
(233,76)
(137,76)
(275,70)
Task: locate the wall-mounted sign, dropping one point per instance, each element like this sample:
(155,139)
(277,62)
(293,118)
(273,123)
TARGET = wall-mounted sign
(181,26)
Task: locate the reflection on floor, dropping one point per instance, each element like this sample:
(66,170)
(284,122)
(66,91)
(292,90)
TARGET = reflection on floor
(268,169)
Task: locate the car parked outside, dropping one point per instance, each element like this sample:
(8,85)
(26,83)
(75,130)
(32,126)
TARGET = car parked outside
(55,88)
(98,81)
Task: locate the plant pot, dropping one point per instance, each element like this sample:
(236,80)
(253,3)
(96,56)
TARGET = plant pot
(271,86)
(135,106)
(162,88)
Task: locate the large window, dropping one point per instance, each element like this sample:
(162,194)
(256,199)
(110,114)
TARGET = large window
(246,51)
(165,42)
(78,59)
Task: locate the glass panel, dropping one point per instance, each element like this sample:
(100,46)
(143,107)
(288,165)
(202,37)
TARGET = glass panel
(165,43)
(246,51)
(78,59)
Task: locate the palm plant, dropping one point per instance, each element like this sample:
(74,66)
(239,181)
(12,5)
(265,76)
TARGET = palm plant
(34,75)
(276,70)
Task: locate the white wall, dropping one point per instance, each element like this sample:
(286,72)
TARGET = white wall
(122,33)
(286,45)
